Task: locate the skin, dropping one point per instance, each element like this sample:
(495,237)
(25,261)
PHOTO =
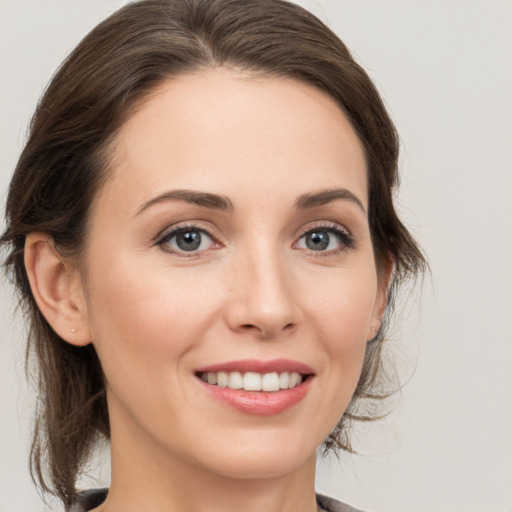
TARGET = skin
(253,290)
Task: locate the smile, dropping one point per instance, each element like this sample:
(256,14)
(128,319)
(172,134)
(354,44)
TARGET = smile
(255,387)
(252,381)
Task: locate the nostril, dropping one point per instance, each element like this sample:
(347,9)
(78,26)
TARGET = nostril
(267,331)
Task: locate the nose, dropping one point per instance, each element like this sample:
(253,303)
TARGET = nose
(263,298)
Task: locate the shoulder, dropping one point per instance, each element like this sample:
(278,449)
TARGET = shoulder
(87,500)
(331,505)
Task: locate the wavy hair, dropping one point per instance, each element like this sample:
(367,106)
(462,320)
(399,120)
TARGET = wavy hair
(66,160)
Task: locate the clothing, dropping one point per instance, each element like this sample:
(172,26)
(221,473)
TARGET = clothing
(88,500)
(331,505)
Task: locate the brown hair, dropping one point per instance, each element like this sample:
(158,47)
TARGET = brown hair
(66,159)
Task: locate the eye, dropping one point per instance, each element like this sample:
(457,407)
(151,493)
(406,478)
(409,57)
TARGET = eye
(325,239)
(186,240)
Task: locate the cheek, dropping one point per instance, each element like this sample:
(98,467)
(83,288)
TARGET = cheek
(140,318)
(344,307)
(342,315)
(147,327)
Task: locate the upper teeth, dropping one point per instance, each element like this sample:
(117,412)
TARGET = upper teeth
(252,381)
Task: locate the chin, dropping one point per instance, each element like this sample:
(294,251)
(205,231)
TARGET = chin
(261,458)
(261,468)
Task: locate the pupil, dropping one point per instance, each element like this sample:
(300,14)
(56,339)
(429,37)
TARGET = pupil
(317,241)
(188,240)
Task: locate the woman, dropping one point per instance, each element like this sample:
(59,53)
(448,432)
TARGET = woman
(202,231)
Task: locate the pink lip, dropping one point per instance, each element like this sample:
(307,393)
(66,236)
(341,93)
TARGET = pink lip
(258,366)
(259,403)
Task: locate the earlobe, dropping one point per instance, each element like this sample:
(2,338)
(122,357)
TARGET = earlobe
(57,289)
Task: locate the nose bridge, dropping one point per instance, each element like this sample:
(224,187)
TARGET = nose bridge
(264,299)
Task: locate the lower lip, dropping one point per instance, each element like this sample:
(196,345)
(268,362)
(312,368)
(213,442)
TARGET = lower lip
(260,403)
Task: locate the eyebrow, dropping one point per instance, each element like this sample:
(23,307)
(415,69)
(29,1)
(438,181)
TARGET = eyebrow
(213,201)
(223,203)
(326,196)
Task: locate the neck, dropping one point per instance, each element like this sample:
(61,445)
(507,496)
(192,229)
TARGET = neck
(147,478)
(188,488)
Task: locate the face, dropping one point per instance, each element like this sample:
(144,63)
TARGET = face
(230,250)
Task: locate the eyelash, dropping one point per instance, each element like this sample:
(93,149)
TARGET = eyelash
(347,241)
(167,235)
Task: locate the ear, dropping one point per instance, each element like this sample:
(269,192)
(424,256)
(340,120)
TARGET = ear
(384,276)
(57,289)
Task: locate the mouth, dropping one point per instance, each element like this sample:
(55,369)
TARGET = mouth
(257,387)
(253,381)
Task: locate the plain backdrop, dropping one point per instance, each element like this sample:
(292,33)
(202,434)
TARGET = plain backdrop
(444,69)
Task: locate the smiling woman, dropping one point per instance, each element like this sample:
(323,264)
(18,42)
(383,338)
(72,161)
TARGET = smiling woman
(202,231)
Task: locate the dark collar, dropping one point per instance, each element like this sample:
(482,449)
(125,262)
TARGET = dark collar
(87,500)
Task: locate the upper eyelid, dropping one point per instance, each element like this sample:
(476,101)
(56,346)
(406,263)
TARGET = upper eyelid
(176,228)
(213,233)
(335,226)
(162,240)
(348,239)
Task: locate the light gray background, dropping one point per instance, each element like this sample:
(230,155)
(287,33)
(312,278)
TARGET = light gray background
(444,67)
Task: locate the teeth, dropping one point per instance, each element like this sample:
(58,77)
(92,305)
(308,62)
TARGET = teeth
(294,380)
(252,381)
(270,382)
(284,380)
(235,380)
(222,379)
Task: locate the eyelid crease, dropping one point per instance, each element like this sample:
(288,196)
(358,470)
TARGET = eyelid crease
(328,225)
(184,225)
(325,225)
(347,239)
(168,233)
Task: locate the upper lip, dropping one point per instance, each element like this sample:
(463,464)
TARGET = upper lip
(258,366)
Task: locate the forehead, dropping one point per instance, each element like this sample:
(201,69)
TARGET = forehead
(231,133)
